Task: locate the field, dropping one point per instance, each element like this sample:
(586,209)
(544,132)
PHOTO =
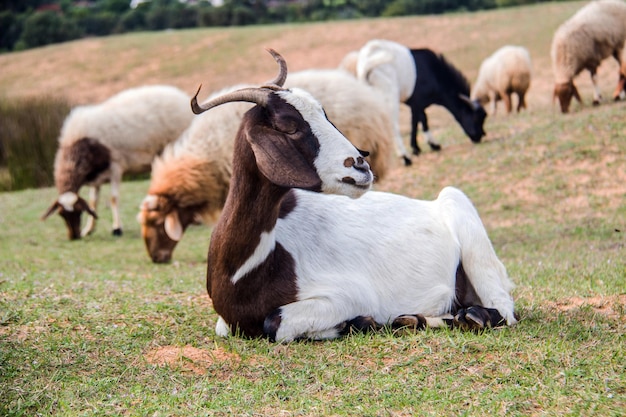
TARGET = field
(94,328)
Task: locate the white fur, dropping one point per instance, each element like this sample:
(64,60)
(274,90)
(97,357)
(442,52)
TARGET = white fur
(267,243)
(67,200)
(355,108)
(333,147)
(384,255)
(390,68)
(594,33)
(507,70)
(134,125)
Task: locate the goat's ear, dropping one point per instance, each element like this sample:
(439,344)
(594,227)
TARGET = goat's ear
(280,161)
(173,227)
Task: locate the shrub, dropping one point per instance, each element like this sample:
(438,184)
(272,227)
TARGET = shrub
(29,129)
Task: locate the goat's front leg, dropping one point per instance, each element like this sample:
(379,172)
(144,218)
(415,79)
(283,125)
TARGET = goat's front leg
(90,226)
(312,319)
(116,180)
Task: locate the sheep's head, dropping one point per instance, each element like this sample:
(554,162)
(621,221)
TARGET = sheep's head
(294,144)
(70,207)
(564,92)
(163,225)
(472,118)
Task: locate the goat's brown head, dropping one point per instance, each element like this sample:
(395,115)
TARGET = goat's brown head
(294,143)
(70,207)
(564,92)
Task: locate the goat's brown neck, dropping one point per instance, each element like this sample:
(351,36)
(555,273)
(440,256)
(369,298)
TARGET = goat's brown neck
(252,207)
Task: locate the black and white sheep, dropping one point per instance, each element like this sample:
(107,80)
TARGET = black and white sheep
(418,78)
(191,178)
(99,143)
(297,254)
(506,72)
(595,32)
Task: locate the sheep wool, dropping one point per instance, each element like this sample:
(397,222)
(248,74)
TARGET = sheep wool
(508,70)
(595,32)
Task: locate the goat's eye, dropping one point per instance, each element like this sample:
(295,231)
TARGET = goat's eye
(286,125)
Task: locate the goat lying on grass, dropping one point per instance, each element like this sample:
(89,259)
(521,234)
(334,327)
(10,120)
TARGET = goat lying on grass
(289,260)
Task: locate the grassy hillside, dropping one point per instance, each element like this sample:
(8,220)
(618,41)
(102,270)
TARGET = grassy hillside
(94,328)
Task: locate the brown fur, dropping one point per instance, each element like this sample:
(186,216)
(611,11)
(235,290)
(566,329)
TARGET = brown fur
(80,163)
(192,181)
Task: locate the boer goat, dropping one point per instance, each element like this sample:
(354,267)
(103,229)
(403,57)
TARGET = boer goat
(423,78)
(289,260)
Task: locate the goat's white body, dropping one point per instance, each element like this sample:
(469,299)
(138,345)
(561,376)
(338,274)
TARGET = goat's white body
(382,255)
(389,67)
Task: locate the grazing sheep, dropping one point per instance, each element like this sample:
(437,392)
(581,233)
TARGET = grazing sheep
(288,259)
(99,143)
(191,178)
(506,71)
(419,78)
(595,32)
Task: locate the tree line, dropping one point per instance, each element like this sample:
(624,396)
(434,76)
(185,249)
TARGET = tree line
(31,23)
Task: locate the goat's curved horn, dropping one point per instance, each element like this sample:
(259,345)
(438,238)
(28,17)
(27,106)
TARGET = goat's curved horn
(282,72)
(468,101)
(252,95)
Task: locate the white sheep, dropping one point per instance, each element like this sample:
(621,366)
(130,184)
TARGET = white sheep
(595,32)
(288,259)
(508,70)
(190,179)
(99,143)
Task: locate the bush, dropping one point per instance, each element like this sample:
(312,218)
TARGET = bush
(29,130)
(44,28)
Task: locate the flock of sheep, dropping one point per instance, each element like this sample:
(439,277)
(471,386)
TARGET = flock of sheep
(199,162)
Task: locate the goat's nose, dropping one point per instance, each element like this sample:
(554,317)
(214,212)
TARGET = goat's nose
(360,164)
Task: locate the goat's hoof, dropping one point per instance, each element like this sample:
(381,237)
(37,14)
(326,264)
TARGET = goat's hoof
(271,324)
(412,322)
(596,102)
(417,151)
(117,232)
(434,146)
(407,161)
(478,317)
(362,324)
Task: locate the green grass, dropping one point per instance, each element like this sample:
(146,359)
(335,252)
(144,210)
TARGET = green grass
(94,328)
(79,321)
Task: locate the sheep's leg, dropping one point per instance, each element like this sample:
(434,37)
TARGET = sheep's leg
(596,90)
(620,92)
(90,226)
(521,101)
(494,103)
(116,180)
(507,102)
(315,319)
